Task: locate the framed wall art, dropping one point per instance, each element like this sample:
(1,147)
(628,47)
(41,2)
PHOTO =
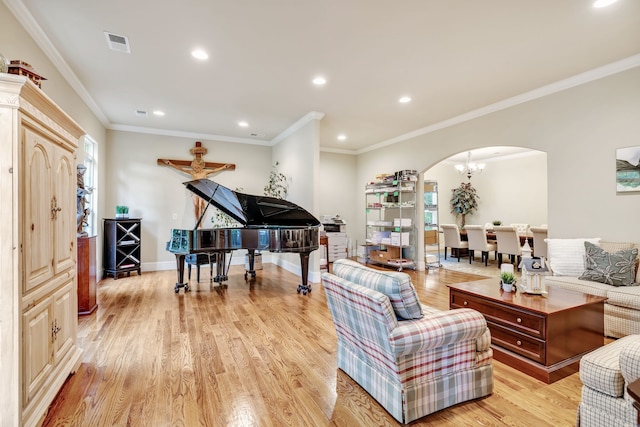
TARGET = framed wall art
(628,169)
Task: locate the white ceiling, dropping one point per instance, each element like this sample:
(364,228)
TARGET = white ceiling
(452,57)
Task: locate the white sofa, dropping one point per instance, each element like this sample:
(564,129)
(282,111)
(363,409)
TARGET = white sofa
(568,261)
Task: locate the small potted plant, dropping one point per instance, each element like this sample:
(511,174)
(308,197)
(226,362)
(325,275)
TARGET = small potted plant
(497,222)
(122,212)
(507,281)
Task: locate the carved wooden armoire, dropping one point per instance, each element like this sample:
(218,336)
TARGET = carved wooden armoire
(38,319)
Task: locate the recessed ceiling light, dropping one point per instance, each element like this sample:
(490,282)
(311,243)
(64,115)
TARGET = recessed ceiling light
(342,137)
(200,54)
(404,99)
(243,124)
(319,81)
(603,3)
(158,113)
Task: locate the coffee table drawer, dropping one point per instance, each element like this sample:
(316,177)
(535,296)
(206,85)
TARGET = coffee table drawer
(522,344)
(520,320)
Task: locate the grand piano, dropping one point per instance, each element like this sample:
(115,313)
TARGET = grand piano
(268,224)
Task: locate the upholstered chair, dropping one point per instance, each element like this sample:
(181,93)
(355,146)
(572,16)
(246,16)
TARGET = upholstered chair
(605,374)
(412,359)
(452,240)
(508,243)
(477,237)
(522,229)
(539,245)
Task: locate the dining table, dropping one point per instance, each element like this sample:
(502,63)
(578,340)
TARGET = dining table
(491,236)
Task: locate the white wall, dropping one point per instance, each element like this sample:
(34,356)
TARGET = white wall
(579,129)
(298,156)
(337,189)
(512,190)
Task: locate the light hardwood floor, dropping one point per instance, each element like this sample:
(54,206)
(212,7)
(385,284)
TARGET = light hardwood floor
(255,354)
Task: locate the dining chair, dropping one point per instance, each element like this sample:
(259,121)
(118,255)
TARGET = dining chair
(521,229)
(508,243)
(477,237)
(452,240)
(539,245)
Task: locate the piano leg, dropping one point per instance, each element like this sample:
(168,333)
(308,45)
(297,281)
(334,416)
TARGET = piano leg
(180,268)
(304,287)
(222,269)
(252,257)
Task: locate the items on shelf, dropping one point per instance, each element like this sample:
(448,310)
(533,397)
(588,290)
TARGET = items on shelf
(390,219)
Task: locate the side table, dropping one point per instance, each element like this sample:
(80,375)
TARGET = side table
(634,392)
(86,275)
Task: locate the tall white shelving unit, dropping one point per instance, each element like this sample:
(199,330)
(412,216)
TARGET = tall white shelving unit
(390,220)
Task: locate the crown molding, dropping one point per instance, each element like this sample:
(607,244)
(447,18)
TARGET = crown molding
(300,123)
(30,25)
(338,151)
(559,86)
(184,134)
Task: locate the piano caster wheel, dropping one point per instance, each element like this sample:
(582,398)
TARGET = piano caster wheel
(304,289)
(180,285)
(247,273)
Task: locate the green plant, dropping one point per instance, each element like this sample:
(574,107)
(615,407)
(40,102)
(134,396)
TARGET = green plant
(464,201)
(222,220)
(507,277)
(121,209)
(497,222)
(277,185)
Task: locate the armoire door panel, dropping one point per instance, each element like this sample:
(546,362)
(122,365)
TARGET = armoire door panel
(38,210)
(64,224)
(64,313)
(37,356)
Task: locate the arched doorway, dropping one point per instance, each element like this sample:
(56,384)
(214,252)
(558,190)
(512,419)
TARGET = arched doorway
(512,188)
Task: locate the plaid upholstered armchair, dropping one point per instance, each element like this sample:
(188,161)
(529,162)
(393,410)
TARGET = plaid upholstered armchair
(605,374)
(413,359)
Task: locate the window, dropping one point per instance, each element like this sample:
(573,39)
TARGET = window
(90,162)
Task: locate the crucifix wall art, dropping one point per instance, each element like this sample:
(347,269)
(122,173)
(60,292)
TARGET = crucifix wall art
(197,169)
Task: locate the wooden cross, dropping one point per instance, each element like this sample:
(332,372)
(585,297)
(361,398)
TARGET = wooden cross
(198,169)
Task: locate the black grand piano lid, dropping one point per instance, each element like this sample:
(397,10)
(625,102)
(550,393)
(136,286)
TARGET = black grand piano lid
(251,210)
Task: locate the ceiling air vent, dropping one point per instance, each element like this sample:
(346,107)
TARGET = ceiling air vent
(116,42)
(141,113)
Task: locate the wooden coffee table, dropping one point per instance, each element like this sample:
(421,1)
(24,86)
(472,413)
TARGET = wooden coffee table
(634,391)
(542,336)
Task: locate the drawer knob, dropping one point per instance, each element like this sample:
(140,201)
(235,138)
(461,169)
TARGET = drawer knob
(519,320)
(519,342)
(466,303)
